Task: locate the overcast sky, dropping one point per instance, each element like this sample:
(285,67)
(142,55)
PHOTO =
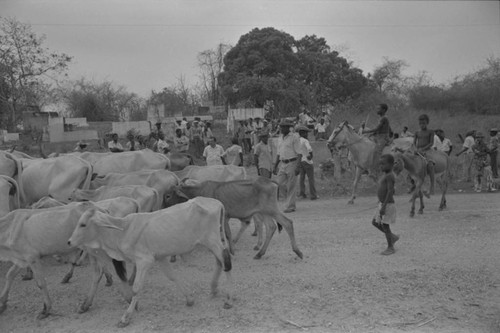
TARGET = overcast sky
(149,44)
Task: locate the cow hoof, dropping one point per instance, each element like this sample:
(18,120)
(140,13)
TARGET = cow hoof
(27,277)
(254,234)
(299,253)
(258,256)
(109,281)
(3,307)
(189,302)
(412,214)
(66,279)
(84,307)
(42,315)
(173,259)
(350,202)
(227,305)
(123,323)
(256,248)
(420,212)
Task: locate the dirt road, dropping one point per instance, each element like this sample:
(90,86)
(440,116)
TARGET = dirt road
(444,277)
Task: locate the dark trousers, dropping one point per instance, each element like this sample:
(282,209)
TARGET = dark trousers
(494,166)
(307,169)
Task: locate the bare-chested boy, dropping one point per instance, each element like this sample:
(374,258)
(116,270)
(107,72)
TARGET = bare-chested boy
(423,141)
(386,212)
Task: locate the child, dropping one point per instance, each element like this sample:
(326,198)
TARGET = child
(306,164)
(262,156)
(481,154)
(234,154)
(386,212)
(423,141)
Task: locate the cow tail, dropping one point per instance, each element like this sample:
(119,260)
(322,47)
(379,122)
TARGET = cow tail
(120,269)
(226,231)
(17,189)
(19,173)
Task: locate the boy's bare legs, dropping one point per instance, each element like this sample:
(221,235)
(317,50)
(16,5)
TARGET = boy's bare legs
(391,238)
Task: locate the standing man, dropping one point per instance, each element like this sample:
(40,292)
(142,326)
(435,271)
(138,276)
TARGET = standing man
(181,142)
(469,154)
(114,146)
(214,153)
(320,130)
(381,135)
(196,133)
(288,158)
(494,143)
(262,156)
(306,164)
(234,154)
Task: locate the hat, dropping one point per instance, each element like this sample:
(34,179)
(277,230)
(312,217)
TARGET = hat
(286,122)
(479,135)
(494,130)
(302,128)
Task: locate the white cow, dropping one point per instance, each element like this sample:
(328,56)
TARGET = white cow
(217,173)
(28,235)
(146,238)
(163,181)
(128,161)
(147,197)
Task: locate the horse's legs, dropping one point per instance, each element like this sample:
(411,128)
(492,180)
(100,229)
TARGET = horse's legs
(357,176)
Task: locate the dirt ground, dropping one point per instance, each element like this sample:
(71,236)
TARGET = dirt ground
(444,277)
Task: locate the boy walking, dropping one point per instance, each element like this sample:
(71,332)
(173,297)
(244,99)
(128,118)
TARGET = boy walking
(386,212)
(423,141)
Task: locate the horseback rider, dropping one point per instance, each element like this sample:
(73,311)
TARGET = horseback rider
(381,136)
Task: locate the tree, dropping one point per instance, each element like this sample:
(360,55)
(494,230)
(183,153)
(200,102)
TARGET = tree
(270,66)
(389,76)
(211,63)
(177,98)
(102,101)
(26,69)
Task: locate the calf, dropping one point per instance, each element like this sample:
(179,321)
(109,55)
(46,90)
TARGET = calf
(28,235)
(145,238)
(244,199)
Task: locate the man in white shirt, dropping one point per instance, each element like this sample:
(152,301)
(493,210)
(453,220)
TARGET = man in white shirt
(469,154)
(320,130)
(405,133)
(288,158)
(234,154)
(262,156)
(214,153)
(114,146)
(441,143)
(161,145)
(181,142)
(306,164)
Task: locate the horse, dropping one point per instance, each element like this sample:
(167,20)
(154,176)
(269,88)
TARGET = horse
(417,167)
(361,149)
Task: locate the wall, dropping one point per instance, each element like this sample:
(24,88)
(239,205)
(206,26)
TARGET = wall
(121,128)
(57,134)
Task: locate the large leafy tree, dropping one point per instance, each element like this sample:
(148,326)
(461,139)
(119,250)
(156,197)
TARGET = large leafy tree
(27,69)
(268,65)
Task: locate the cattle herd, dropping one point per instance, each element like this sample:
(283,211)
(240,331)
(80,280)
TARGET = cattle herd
(125,212)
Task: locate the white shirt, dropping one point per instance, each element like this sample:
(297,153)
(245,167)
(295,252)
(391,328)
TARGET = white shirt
(306,148)
(233,155)
(468,143)
(443,146)
(213,155)
(321,128)
(289,146)
(112,144)
(161,145)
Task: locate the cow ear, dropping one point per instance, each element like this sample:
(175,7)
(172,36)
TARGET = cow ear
(102,221)
(13,189)
(181,194)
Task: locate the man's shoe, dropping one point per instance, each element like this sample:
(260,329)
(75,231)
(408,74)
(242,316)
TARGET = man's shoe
(289,210)
(388,251)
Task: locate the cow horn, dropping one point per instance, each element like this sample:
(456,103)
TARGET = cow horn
(183,181)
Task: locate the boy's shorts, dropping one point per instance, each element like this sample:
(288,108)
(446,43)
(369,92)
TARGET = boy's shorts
(390,214)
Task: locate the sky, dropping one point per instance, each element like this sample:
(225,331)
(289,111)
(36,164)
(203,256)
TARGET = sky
(147,45)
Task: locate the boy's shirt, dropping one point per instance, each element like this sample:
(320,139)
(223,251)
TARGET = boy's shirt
(306,148)
(443,146)
(263,152)
(468,143)
(233,154)
(213,155)
(385,184)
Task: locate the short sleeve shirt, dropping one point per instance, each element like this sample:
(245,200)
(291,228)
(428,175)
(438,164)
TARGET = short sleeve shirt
(289,146)
(182,143)
(213,155)
(443,146)
(112,144)
(263,152)
(306,149)
(233,155)
(468,143)
(321,128)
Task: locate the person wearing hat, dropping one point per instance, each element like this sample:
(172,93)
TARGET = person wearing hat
(114,146)
(494,143)
(483,167)
(262,155)
(306,164)
(288,157)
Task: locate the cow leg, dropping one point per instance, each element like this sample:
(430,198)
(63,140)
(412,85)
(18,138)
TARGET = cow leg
(142,268)
(167,270)
(98,272)
(28,275)
(255,231)
(42,285)
(215,282)
(244,226)
(69,275)
(74,262)
(9,279)
(288,225)
(421,196)
(270,229)
(357,177)
(260,232)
